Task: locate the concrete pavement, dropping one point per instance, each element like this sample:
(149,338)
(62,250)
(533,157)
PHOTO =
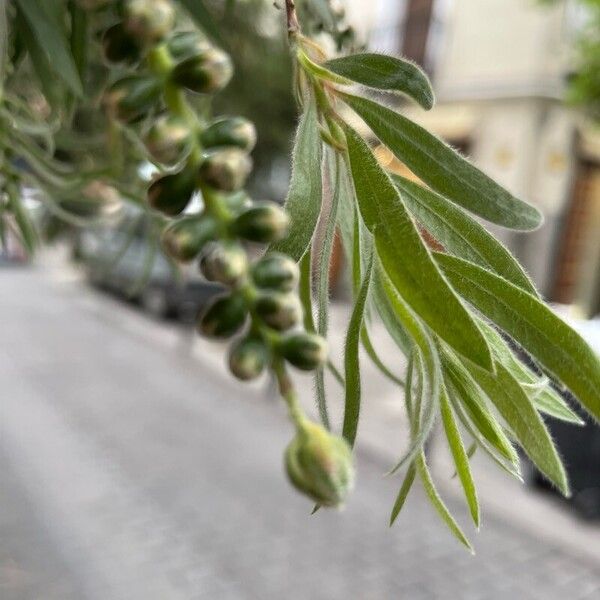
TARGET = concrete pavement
(141,472)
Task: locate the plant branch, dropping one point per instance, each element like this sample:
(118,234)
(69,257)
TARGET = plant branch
(293,26)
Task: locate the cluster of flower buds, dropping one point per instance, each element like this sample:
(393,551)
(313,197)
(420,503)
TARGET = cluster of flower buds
(261,304)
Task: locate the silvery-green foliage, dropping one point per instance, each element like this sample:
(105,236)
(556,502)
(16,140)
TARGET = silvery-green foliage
(456,312)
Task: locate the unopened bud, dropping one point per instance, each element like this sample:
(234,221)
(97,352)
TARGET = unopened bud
(265,222)
(226,169)
(170,194)
(279,311)
(306,351)
(149,20)
(183,44)
(230,131)
(276,271)
(130,98)
(223,317)
(248,358)
(320,465)
(185,237)
(205,73)
(168,139)
(224,262)
(119,46)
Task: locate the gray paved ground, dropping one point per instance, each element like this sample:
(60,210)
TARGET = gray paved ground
(131,471)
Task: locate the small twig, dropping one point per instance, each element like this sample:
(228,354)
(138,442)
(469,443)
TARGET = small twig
(293,26)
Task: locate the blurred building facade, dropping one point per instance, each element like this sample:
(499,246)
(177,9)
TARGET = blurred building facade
(499,69)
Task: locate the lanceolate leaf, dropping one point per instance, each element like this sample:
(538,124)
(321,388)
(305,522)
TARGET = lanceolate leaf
(438,503)
(443,169)
(303,203)
(383,72)
(41,17)
(406,259)
(429,362)
(323,270)
(516,409)
(409,479)
(533,325)
(474,401)
(460,234)
(459,454)
(544,398)
(351,360)
(386,312)
(511,469)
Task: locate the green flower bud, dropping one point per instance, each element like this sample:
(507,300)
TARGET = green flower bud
(226,169)
(148,20)
(276,271)
(170,194)
(224,262)
(279,311)
(230,131)
(264,222)
(130,98)
(248,358)
(168,139)
(183,44)
(320,465)
(205,73)
(306,351)
(118,46)
(223,317)
(185,237)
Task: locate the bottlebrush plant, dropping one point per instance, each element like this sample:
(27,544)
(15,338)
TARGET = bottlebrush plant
(119,84)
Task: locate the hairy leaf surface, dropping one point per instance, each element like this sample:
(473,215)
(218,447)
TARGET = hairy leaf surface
(443,169)
(383,72)
(459,233)
(407,260)
(303,203)
(533,325)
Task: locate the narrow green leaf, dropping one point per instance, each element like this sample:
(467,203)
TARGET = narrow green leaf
(323,269)
(386,312)
(438,503)
(383,72)
(41,15)
(409,479)
(470,452)
(460,234)
(429,362)
(443,169)
(40,62)
(474,400)
(407,260)
(303,202)
(79,37)
(544,398)
(517,410)
(459,454)
(375,359)
(351,361)
(533,325)
(480,440)
(305,294)
(305,291)
(3,43)
(22,219)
